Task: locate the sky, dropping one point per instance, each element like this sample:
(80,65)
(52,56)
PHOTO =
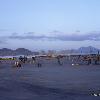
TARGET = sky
(49,24)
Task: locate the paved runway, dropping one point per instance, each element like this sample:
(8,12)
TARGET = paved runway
(49,82)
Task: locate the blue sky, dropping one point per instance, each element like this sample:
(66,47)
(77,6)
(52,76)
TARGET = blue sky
(49,24)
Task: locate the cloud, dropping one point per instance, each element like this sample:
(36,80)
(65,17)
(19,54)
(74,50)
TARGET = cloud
(14,34)
(29,33)
(94,36)
(79,37)
(27,37)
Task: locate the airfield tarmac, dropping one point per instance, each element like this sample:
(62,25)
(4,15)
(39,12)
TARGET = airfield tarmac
(49,82)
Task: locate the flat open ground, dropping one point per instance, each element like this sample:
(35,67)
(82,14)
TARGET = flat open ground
(50,82)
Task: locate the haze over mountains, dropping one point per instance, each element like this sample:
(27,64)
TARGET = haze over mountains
(23,51)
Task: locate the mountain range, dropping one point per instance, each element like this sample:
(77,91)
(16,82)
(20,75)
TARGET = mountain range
(23,51)
(88,49)
(19,51)
(82,50)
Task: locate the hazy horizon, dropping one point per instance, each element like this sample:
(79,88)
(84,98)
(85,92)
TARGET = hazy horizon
(46,50)
(49,24)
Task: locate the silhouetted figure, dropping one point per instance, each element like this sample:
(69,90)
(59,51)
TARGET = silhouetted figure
(96,62)
(89,61)
(33,59)
(39,62)
(58,60)
(21,58)
(17,64)
(39,65)
(24,59)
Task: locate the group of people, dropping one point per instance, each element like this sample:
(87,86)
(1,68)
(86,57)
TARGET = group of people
(23,60)
(39,61)
(88,59)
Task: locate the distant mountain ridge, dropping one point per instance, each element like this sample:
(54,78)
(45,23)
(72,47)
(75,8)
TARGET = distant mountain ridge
(23,51)
(82,50)
(19,51)
(88,49)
